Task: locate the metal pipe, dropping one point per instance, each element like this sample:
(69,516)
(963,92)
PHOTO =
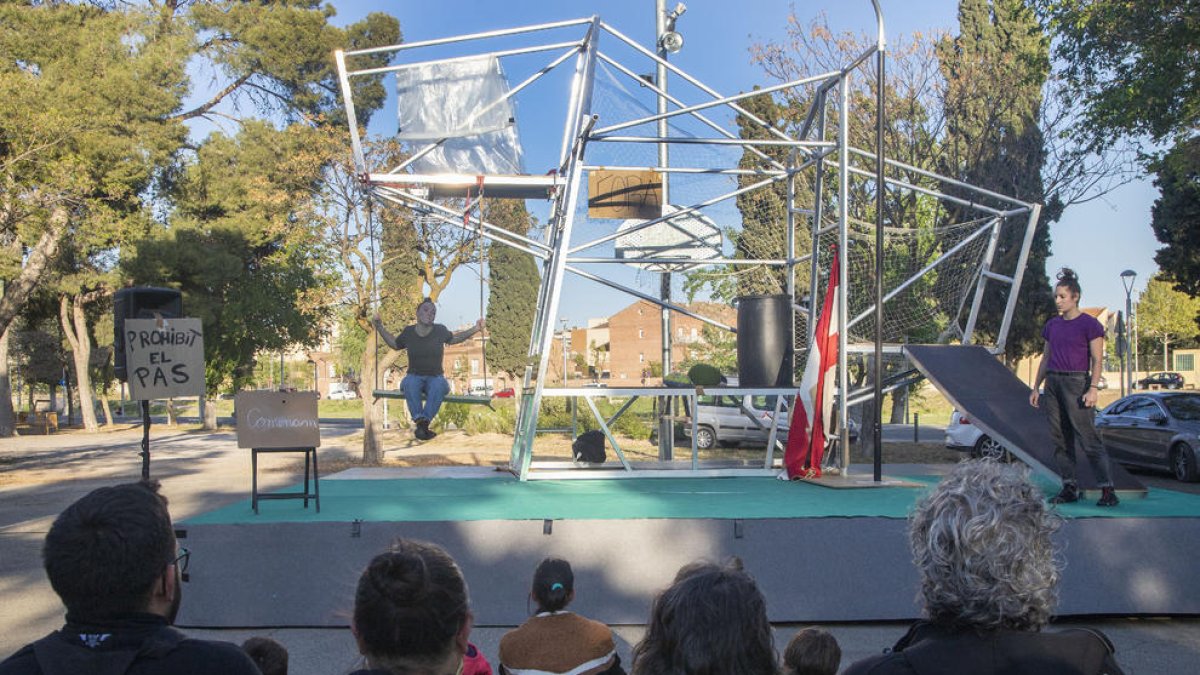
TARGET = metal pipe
(713,125)
(916,277)
(471,36)
(749,142)
(843,263)
(944,179)
(1015,288)
(648,298)
(573,46)
(880,193)
(683,211)
(693,81)
(453,217)
(715,103)
(360,163)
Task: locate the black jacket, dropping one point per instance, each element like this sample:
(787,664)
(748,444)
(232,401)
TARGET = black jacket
(138,644)
(928,649)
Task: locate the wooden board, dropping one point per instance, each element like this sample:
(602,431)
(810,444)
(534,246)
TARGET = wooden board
(277,419)
(624,194)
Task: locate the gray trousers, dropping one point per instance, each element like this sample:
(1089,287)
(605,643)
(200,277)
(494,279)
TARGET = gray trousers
(1071,423)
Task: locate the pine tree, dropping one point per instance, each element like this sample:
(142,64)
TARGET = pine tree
(995,70)
(513,281)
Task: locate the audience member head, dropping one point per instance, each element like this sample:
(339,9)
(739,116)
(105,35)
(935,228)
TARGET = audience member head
(981,544)
(270,656)
(711,621)
(698,566)
(411,613)
(553,585)
(112,552)
(813,651)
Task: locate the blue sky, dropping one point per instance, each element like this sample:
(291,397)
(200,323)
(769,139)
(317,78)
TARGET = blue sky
(1099,239)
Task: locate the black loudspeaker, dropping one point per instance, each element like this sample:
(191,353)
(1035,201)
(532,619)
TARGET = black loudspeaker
(764,341)
(140,302)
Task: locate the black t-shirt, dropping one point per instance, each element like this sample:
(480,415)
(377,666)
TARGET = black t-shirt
(137,644)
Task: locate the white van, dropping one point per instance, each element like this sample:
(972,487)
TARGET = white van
(341,391)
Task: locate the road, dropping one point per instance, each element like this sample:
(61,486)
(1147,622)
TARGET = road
(200,471)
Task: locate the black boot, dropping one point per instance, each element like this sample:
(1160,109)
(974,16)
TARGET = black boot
(1108,497)
(1068,494)
(422,431)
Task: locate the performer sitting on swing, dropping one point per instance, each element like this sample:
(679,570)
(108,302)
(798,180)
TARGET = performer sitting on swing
(425,381)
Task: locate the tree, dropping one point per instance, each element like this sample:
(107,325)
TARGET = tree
(91,103)
(1166,315)
(1175,214)
(1132,64)
(996,69)
(513,282)
(243,247)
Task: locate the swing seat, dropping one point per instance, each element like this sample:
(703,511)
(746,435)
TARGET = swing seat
(450,398)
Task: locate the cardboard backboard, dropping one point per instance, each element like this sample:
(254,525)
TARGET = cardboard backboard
(164,358)
(624,194)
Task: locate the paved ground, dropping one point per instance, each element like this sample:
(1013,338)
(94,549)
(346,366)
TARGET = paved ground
(40,475)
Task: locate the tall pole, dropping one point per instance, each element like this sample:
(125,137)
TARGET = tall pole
(666,431)
(880,188)
(1128,278)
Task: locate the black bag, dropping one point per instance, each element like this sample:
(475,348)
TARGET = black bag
(589,447)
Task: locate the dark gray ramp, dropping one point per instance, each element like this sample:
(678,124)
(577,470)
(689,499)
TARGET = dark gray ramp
(996,401)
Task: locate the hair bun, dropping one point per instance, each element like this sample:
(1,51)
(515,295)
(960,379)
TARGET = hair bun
(1067,274)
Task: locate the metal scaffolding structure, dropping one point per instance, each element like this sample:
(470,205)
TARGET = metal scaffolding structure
(819,152)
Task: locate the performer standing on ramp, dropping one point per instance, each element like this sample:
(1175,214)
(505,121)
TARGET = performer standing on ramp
(1071,365)
(425,385)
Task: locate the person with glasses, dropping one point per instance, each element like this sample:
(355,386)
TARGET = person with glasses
(113,559)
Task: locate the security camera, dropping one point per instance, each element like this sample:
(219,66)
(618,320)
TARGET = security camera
(671,42)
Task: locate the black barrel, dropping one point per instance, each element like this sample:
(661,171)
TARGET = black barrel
(764,341)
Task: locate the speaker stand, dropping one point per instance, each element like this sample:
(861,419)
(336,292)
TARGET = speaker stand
(145,440)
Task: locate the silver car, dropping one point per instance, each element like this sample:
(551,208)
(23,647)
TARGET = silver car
(963,436)
(729,420)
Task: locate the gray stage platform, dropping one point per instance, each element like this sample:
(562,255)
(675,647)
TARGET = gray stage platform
(811,569)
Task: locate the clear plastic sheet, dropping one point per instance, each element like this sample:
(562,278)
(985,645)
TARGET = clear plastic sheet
(463,103)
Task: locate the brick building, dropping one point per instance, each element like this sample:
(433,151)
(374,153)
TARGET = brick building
(635,339)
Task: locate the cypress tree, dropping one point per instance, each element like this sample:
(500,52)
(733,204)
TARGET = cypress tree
(513,281)
(995,70)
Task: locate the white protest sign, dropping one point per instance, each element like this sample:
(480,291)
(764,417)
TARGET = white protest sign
(164,358)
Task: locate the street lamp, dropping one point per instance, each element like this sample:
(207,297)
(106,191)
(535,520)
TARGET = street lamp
(1127,279)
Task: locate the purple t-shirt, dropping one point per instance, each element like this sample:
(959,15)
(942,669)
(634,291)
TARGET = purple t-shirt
(1069,341)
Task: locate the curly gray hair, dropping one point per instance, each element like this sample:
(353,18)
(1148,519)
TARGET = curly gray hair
(981,542)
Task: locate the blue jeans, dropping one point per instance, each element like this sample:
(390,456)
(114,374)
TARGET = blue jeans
(430,388)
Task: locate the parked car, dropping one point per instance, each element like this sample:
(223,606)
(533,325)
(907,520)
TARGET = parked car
(1156,430)
(341,391)
(963,436)
(507,392)
(728,420)
(1164,380)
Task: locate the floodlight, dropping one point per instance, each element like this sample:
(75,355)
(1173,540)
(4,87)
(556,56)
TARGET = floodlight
(671,42)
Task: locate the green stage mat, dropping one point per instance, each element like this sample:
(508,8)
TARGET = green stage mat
(506,498)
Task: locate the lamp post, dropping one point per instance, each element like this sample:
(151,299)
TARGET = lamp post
(1127,279)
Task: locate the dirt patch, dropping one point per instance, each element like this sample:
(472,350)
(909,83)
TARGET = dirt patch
(456,448)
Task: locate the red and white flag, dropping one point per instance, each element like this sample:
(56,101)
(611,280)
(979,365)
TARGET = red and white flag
(812,415)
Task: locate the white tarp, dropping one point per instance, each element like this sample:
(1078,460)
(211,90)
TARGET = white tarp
(463,103)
